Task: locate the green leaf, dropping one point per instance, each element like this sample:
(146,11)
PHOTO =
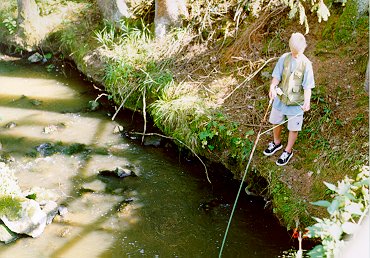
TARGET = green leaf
(222,128)
(250,132)
(48,56)
(321,203)
(343,188)
(205,134)
(350,196)
(317,252)
(331,186)
(211,147)
(354,208)
(333,207)
(363,182)
(31,196)
(335,231)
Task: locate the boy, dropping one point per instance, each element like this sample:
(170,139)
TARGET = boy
(292,97)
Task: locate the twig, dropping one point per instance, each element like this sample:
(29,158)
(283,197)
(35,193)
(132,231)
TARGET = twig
(144,115)
(123,102)
(171,138)
(254,125)
(100,95)
(250,77)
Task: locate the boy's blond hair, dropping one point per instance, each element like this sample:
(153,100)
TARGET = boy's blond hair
(297,43)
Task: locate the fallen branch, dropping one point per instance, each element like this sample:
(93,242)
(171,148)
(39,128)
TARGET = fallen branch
(123,102)
(144,115)
(171,138)
(250,77)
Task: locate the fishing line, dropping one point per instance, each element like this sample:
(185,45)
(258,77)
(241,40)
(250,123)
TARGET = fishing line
(241,182)
(246,168)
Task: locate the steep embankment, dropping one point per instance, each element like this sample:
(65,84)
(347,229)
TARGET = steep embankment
(211,95)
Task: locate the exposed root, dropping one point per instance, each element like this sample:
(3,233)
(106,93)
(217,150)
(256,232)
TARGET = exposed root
(251,35)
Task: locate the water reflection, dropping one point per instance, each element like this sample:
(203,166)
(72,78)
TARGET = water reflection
(169,210)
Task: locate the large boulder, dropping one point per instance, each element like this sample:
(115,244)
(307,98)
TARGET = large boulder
(32,219)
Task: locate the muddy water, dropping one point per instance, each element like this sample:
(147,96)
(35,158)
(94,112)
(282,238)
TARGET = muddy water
(168,210)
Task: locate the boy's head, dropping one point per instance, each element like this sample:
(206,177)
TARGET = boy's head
(297,43)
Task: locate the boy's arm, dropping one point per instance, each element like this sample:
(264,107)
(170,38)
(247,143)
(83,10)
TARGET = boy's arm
(274,83)
(307,99)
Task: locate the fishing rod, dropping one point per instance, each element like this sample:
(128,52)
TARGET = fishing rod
(279,92)
(245,173)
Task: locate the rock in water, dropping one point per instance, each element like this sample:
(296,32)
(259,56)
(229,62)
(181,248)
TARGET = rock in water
(10,125)
(45,149)
(62,211)
(32,220)
(124,172)
(51,209)
(36,57)
(118,172)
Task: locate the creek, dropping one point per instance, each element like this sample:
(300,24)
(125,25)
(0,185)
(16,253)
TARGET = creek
(167,210)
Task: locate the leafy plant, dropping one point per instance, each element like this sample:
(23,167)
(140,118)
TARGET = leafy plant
(220,134)
(10,24)
(107,36)
(348,208)
(50,68)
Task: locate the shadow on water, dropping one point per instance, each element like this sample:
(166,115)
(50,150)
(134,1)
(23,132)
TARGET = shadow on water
(168,210)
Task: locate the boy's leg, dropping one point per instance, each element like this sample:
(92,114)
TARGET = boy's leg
(294,126)
(276,117)
(277,134)
(292,137)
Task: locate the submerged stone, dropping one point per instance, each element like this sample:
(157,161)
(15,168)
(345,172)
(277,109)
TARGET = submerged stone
(94,186)
(62,211)
(36,57)
(118,129)
(6,157)
(51,210)
(45,149)
(152,141)
(118,172)
(10,125)
(49,129)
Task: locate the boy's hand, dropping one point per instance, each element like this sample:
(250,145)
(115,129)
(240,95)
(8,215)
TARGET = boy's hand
(272,93)
(306,106)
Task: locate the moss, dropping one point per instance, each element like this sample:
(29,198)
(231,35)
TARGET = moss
(287,206)
(10,207)
(346,25)
(329,29)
